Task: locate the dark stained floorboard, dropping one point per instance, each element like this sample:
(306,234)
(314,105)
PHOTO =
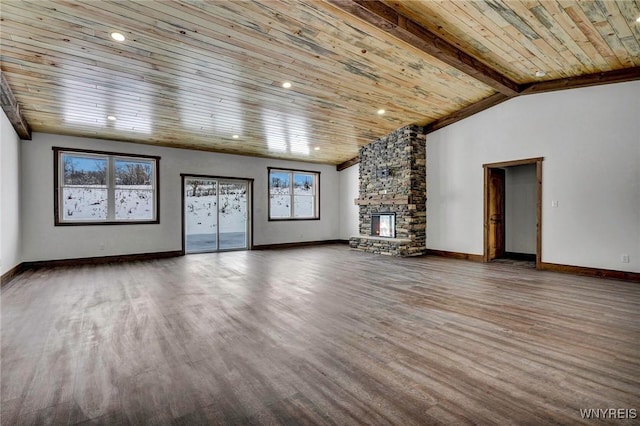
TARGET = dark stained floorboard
(316,335)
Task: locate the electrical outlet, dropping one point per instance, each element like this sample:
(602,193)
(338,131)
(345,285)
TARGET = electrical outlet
(625,258)
(101,246)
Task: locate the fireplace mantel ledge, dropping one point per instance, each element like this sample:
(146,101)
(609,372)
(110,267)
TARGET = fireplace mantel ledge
(392,240)
(382,200)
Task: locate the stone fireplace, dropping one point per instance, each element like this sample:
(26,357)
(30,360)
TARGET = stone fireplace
(393,194)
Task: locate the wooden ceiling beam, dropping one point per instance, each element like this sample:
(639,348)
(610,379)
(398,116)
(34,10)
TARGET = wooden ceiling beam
(596,79)
(472,109)
(340,167)
(12,109)
(385,18)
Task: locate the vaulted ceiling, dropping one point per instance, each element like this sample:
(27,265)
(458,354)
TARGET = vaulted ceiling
(209,74)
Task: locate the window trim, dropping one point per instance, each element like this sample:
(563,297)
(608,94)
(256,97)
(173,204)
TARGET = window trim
(316,196)
(57,157)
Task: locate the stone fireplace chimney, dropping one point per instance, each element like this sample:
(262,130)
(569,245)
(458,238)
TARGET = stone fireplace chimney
(393,180)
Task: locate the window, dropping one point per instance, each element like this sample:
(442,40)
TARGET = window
(94,187)
(293,194)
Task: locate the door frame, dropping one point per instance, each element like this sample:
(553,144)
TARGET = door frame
(538,162)
(249,181)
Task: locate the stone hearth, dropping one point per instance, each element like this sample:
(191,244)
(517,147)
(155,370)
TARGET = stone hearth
(393,179)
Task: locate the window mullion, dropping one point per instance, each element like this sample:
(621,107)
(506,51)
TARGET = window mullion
(292,211)
(111,191)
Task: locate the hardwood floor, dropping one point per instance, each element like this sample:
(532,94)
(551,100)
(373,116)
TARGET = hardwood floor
(316,335)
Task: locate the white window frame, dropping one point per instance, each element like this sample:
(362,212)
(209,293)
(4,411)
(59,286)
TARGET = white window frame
(316,193)
(111,158)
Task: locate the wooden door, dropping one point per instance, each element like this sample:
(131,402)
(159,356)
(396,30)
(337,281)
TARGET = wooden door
(496,185)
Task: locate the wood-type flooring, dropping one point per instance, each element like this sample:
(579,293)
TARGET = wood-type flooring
(316,335)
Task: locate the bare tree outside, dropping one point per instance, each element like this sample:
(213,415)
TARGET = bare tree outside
(195,184)
(133,173)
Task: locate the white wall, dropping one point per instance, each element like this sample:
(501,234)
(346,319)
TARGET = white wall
(10,240)
(590,139)
(349,211)
(44,241)
(520,209)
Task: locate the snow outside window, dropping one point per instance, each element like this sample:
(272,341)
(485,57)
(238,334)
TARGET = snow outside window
(97,188)
(293,194)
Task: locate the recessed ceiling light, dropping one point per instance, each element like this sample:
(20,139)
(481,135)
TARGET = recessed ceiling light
(381,111)
(235,136)
(117,36)
(638,20)
(317,148)
(111,117)
(286,85)
(540,73)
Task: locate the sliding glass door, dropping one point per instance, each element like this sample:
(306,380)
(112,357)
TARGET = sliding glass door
(216,214)
(232,215)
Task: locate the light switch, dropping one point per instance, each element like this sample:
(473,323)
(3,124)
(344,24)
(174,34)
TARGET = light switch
(554,203)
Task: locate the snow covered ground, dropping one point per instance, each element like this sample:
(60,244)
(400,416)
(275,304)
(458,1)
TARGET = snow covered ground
(202,215)
(134,202)
(281,202)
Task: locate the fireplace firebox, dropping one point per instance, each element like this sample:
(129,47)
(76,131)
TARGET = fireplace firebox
(383,225)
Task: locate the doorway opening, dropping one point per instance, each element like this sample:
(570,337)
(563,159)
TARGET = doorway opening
(513,211)
(216,214)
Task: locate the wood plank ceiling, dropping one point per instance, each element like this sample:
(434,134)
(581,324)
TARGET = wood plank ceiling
(193,74)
